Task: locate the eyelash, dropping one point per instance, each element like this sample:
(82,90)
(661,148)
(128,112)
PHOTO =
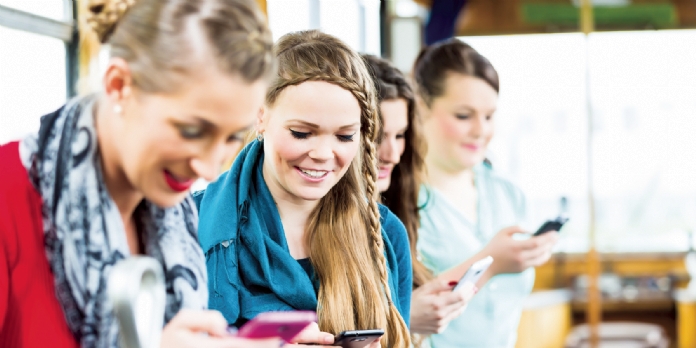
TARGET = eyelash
(187,133)
(303,135)
(400,136)
(462,117)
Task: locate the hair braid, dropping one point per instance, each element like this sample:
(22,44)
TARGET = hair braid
(354,291)
(395,339)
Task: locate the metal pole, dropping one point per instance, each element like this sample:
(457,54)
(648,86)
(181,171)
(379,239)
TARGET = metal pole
(594,298)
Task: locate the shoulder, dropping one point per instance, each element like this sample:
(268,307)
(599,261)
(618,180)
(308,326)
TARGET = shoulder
(392,226)
(500,183)
(20,202)
(14,178)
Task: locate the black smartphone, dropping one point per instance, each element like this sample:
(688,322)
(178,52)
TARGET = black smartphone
(551,225)
(357,338)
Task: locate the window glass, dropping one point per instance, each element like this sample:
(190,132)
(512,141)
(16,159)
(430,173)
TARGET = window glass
(644,102)
(32,81)
(541,124)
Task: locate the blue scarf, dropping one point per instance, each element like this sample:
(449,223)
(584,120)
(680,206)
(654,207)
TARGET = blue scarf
(249,263)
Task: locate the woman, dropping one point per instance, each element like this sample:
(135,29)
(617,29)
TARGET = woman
(401,154)
(295,223)
(469,210)
(97,184)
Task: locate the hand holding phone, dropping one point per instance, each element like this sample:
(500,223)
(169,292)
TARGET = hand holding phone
(551,225)
(475,272)
(358,338)
(285,325)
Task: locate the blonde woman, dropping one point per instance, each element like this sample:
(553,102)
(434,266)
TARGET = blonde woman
(295,223)
(107,175)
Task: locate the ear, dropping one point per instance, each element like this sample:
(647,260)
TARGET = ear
(261,119)
(118,81)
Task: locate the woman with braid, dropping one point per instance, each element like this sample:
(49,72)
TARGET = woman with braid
(295,224)
(401,153)
(96,185)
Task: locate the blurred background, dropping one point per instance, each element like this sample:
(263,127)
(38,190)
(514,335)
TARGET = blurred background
(597,122)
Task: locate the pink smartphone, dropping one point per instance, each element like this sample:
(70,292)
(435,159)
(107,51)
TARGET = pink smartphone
(285,325)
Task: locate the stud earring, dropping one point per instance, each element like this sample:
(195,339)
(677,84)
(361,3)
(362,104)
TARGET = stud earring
(118,109)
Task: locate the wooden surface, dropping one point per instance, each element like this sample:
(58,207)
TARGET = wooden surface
(544,325)
(562,269)
(686,319)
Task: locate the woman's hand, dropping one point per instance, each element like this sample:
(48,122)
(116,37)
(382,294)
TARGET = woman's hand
(313,337)
(188,329)
(434,305)
(514,256)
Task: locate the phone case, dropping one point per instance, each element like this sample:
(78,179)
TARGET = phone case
(474,273)
(551,225)
(285,325)
(357,338)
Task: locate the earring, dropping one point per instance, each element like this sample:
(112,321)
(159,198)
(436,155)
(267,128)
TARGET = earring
(259,137)
(118,109)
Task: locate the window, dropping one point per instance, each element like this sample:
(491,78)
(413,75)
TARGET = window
(642,90)
(33,68)
(53,9)
(356,22)
(541,124)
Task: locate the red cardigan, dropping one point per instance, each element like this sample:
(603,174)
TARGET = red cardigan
(30,315)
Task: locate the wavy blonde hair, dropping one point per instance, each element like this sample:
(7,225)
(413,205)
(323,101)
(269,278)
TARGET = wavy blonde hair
(344,233)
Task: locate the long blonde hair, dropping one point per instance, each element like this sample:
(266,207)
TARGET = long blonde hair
(344,233)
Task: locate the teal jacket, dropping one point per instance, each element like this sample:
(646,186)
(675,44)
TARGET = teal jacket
(250,269)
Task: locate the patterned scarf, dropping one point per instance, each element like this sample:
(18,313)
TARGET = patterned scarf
(84,233)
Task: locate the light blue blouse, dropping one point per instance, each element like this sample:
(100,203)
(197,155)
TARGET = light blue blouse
(447,238)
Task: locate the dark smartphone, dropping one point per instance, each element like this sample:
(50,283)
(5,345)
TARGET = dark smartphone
(357,338)
(551,225)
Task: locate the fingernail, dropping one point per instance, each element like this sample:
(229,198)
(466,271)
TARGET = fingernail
(452,283)
(476,289)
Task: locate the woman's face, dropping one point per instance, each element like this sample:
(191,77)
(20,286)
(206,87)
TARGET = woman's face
(170,140)
(459,124)
(311,136)
(392,144)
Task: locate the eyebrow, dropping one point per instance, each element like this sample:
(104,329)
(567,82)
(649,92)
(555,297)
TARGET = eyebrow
(312,125)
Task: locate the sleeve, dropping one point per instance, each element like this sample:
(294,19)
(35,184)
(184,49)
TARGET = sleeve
(398,237)
(4,274)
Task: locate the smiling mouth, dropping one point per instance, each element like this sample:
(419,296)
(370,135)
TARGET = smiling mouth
(313,174)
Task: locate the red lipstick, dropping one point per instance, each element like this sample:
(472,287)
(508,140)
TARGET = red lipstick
(176,184)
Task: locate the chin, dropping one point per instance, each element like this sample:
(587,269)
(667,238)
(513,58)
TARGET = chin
(383,184)
(310,193)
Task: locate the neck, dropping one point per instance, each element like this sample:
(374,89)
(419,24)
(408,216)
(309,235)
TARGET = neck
(444,178)
(122,192)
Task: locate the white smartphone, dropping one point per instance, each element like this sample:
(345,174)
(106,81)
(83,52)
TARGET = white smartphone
(474,273)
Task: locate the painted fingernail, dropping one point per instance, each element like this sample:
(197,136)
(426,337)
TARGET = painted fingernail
(476,289)
(452,283)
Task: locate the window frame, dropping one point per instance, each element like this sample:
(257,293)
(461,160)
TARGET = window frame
(65,30)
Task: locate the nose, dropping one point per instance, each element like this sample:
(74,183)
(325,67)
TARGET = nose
(207,166)
(387,151)
(321,149)
(477,125)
